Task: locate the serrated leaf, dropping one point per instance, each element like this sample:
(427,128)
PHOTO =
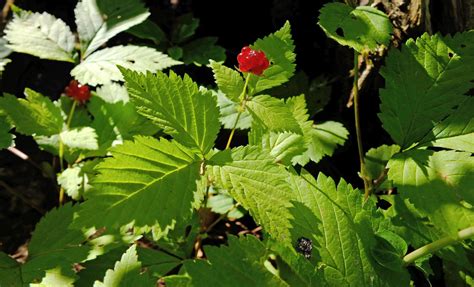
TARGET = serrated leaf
(279,49)
(126,272)
(4,52)
(455,132)
(239,264)
(99,20)
(146,181)
(360,28)
(229,113)
(41,35)
(113,93)
(439,184)
(80,138)
(101,67)
(185,28)
(201,50)
(258,184)
(443,68)
(282,146)
(54,277)
(272,114)
(320,139)
(34,115)
(376,159)
(341,226)
(50,247)
(175,104)
(229,81)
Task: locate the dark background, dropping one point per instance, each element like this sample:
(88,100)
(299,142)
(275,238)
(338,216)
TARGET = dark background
(26,193)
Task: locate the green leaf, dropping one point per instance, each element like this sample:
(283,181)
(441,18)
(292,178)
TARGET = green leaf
(146,181)
(443,68)
(273,114)
(40,35)
(279,49)
(10,273)
(201,50)
(229,112)
(239,264)
(101,67)
(55,277)
(80,138)
(6,138)
(126,272)
(113,93)
(456,131)
(53,245)
(116,122)
(185,28)
(34,115)
(98,21)
(258,184)
(149,30)
(439,184)
(376,159)
(360,28)
(342,227)
(75,179)
(175,104)
(228,80)
(321,139)
(282,146)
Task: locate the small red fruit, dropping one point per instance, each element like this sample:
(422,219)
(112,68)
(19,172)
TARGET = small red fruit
(252,61)
(77,91)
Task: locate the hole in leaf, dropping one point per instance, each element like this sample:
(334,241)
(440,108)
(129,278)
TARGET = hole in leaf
(450,55)
(340,32)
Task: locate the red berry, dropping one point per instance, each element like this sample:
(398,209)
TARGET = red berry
(252,61)
(77,91)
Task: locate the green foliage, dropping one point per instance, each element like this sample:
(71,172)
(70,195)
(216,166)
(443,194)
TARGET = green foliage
(193,123)
(41,35)
(239,264)
(6,138)
(101,67)
(443,69)
(34,115)
(376,160)
(279,49)
(146,181)
(99,20)
(360,28)
(343,227)
(447,176)
(126,272)
(229,81)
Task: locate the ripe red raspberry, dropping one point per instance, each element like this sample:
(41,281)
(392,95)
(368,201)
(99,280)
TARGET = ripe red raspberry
(77,91)
(252,61)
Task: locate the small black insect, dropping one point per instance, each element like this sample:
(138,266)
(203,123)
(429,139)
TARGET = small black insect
(304,246)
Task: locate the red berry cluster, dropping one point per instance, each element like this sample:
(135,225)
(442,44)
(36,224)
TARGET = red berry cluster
(252,61)
(77,91)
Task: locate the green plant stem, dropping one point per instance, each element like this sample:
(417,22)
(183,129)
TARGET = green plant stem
(437,245)
(360,149)
(242,98)
(61,149)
